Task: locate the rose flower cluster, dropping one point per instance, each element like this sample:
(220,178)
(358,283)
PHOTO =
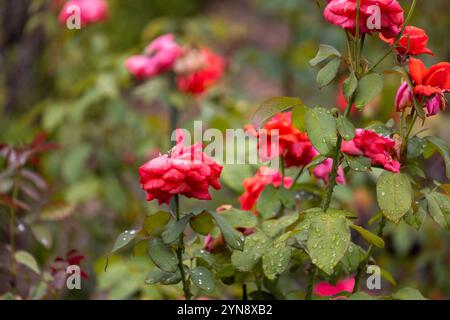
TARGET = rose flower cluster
(196,70)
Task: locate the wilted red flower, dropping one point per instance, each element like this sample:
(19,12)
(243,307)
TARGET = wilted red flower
(255,185)
(325,289)
(200,80)
(185,170)
(323,170)
(91,11)
(403,98)
(343,13)
(413,42)
(383,151)
(160,55)
(293,144)
(73,257)
(431,83)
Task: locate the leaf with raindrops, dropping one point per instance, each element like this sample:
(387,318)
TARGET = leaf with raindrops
(123,240)
(203,279)
(255,246)
(394,195)
(328,240)
(276,260)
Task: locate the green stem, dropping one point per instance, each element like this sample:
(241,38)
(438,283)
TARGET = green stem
(336,162)
(180,251)
(363,265)
(310,288)
(400,35)
(244,292)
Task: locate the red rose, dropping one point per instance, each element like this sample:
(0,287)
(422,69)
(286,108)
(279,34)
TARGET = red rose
(293,144)
(199,81)
(91,11)
(413,42)
(185,170)
(255,185)
(383,151)
(430,83)
(343,13)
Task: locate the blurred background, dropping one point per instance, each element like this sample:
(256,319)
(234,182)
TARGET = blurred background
(81,126)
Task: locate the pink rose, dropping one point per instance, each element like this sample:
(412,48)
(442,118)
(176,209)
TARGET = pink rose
(403,98)
(325,289)
(159,57)
(323,170)
(382,151)
(91,11)
(343,13)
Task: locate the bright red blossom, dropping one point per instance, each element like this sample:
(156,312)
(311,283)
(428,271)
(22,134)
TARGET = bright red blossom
(383,151)
(91,11)
(430,84)
(413,42)
(185,170)
(343,13)
(255,185)
(293,144)
(200,80)
(325,289)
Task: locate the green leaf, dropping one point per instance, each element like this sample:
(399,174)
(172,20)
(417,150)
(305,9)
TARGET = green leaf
(273,106)
(328,72)
(123,240)
(233,174)
(416,219)
(276,260)
(240,218)
(202,223)
(349,86)
(442,148)
(408,294)
(174,229)
(385,274)
(298,117)
(157,275)
(276,226)
(439,208)
(27,260)
(369,87)
(416,146)
(42,234)
(141,248)
(203,279)
(287,197)
(162,255)
(360,164)
(232,237)
(328,240)
(155,223)
(369,236)
(268,204)
(325,51)
(352,258)
(345,128)
(321,129)
(394,195)
(255,246)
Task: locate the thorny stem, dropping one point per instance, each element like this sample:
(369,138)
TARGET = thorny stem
(180,251)
(394,45)
(363,265)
